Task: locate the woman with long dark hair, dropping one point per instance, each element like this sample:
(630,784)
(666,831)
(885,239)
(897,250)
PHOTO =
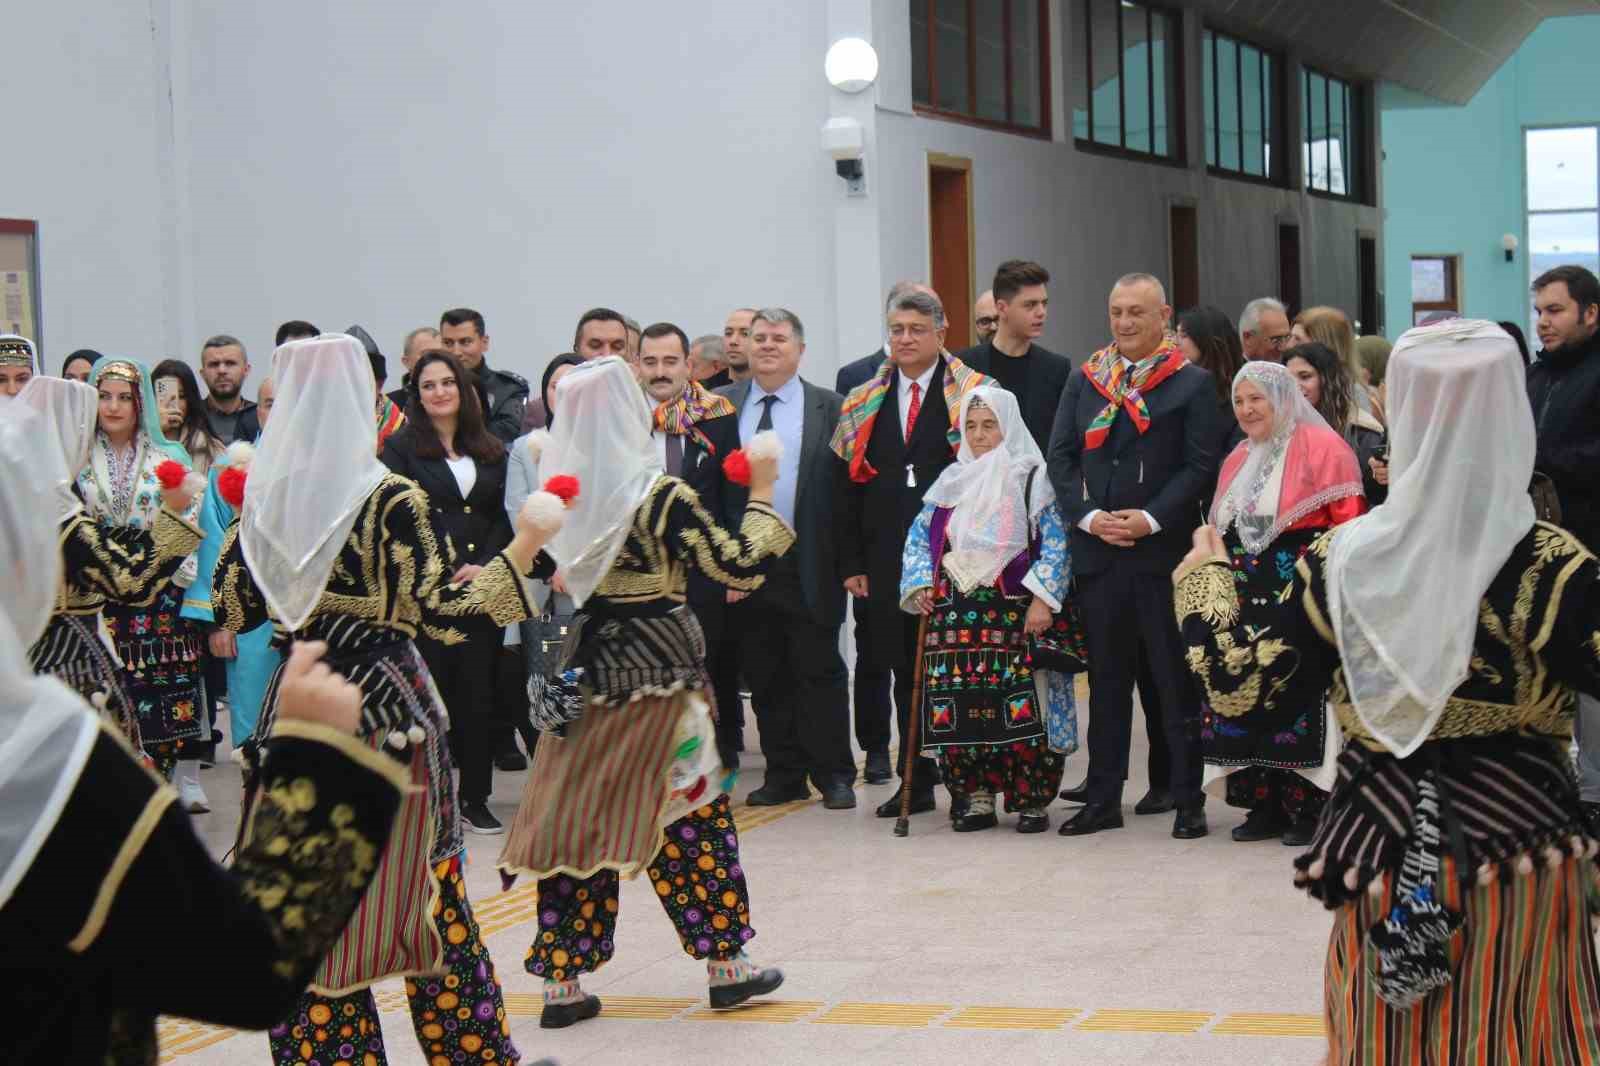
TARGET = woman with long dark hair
(78,364)
(1325,381)
(183,413)
(446,449)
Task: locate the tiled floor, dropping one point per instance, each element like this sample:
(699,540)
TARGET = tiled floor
(1125,947)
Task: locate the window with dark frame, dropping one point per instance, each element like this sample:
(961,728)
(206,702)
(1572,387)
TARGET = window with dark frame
(992,70)
(1335,128)
(1434,285)
(1243,85)
(1129,100)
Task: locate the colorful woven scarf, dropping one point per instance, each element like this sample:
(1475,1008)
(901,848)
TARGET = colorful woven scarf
(860,411)
(1124,387)
(695,404)
(390,418)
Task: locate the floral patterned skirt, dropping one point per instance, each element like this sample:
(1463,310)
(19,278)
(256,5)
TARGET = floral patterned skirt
(161,673)
(978,686)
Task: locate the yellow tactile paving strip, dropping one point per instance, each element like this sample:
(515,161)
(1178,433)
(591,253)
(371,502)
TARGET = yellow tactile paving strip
(1011,1018)
(1145,1021)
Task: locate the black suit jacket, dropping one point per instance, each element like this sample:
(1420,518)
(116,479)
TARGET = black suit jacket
(817,536)
(1047,377)
(470,529)
(1167,470)
(878,513)
(858,372)
(702,471)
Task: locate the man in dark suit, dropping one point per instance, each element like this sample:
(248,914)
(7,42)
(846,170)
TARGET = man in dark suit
(789,628)
(461,331)
(695,430)
(1132,453)
(895,439)
(1030,372)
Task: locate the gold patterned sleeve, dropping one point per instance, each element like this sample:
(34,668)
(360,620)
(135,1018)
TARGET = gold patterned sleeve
(236,602)
(498,593)
(1243,663)
(737,560)
(126,566)
(414,560)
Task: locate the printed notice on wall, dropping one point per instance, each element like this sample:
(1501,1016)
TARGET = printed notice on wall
(16,303)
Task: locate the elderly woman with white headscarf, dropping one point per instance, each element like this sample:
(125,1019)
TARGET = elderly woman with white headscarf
(987,561)
(102,564)
(92,844)
(1290,480)
(1454,632)
(631,785)
(331,546)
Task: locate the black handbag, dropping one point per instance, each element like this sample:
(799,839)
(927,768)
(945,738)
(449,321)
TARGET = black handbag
(1063,647)
(1546,504)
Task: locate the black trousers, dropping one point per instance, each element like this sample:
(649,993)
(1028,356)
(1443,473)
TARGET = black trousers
(1159,762)
(509,703)
(798,684)
(464,674)
(1128,615)
(723,665)
(873,712)
(904,680)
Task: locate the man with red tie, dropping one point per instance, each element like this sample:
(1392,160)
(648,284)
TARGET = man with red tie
(897,433)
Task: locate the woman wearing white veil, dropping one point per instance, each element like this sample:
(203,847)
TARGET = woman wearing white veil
(988,562)
(632,785)
(1454,633)
(102,564)
(331,546)
(92,844)
(1290,480)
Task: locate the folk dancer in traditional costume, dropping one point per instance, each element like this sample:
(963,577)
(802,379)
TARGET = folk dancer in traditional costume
(331,546)
(158,648)
(19,363)
(91,843)
(987,562)
(1289,481)
(1455,632)
(633,785)
(100,565)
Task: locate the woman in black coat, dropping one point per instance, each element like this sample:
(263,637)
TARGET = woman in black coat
(445,448)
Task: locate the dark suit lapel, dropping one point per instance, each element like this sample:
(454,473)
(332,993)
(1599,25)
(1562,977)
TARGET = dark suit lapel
(815,410)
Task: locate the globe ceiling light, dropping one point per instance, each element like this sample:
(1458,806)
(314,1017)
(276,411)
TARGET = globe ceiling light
(851,65)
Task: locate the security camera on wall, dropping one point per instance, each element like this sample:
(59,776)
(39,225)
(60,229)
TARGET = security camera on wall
(845,141)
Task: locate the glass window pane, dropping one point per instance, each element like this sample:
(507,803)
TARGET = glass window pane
(950,55)
(1316,101)
(1026,77)
(1208,78)
(1561,168)
(1250,101)
(1104,17)
(919,52)
(991,49)
(1352,139)
(1428,281)
(1135,78)
(1269,70)
(1163,51)
(1337,178)
(1566,237)
(1228,104)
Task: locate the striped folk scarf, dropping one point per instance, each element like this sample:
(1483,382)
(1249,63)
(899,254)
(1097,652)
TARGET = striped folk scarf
(1124,388)
(390,418)
(695,404)
(860,412)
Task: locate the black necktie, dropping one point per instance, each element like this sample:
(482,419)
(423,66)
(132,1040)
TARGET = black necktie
(675,454)
(766,414)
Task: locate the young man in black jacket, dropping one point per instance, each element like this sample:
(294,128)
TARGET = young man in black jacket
(1029,371)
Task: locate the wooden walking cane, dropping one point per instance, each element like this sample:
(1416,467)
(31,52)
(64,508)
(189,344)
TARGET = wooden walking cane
(902,825)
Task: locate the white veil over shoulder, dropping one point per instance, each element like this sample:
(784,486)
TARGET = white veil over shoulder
(46,730)
(314,467)
(603,439)
(70,408)
(1405,581)
(990,523)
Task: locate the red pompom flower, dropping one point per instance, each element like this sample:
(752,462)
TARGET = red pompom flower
(564,486)
(231,484)
(737,467)
(170,474)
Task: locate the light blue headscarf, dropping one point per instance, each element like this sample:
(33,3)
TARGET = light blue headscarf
(149,413)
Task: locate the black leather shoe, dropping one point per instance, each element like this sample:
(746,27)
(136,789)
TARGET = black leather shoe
(772,795)
(479,819)
(1156,801)
(764,981)
(510,760)
(1092,819)
(879,769)
(1033,823)
(921,803)
(561,1015)
(1190,824)
(839,797)
(958,807)
(1076,795)
(1262,823)
(1300,832)
(974,823)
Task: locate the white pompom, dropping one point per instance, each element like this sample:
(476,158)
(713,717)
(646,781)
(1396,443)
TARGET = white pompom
(1352,878)
(99,699)
(1487,873)
(1317,868)
(765,445)
(238,756)
(415,734)
(1375,887)
(536,443)
(545,512)
(239,453)
(396,740)
(1553,856)
(194,484)
(1525,864)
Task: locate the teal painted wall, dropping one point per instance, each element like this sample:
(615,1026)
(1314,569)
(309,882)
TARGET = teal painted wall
(1453,176)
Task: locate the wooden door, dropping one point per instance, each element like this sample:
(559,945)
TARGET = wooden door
(1184,243)
(950,233)
(1289,266)
(1370,313)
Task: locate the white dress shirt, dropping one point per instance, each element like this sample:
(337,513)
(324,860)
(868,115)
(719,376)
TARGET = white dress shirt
(904,389)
